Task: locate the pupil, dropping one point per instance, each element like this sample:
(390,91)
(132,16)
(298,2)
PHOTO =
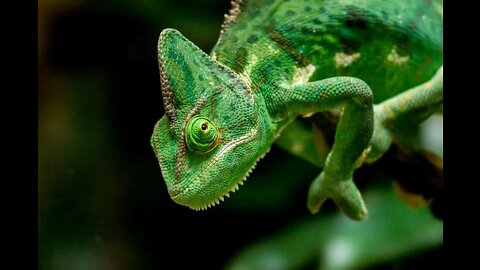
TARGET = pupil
(204,126)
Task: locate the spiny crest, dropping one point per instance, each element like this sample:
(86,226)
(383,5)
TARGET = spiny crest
(168,95)
(232,14)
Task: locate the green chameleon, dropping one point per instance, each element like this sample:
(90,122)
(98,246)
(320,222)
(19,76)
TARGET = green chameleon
(378,64)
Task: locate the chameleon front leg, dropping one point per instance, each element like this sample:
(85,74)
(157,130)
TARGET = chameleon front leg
(419,102)
(352,136)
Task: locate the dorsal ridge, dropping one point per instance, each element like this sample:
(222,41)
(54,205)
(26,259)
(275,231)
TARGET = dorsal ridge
(232,15)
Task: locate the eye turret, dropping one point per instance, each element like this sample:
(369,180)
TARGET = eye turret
(201,135)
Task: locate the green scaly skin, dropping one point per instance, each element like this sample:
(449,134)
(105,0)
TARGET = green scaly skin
(375,61)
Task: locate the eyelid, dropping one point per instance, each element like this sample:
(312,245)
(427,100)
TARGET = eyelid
(212,136)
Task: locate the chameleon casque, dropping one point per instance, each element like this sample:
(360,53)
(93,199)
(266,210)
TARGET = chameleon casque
(373,62)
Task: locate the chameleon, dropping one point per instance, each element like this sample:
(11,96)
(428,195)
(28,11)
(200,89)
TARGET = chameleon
(377,64)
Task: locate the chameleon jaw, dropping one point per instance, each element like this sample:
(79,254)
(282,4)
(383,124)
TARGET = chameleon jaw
(232,189)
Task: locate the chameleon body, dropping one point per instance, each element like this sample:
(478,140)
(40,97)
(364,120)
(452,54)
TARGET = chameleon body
(373,62)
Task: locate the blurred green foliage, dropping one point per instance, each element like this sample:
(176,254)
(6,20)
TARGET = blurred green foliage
(392,230)
(102,201)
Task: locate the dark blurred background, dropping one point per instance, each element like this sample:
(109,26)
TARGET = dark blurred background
(102,200)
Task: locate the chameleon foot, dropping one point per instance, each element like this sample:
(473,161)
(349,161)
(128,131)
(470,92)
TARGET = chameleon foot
(343,192)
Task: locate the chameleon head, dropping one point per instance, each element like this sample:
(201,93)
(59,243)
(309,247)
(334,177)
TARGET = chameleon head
(211,135)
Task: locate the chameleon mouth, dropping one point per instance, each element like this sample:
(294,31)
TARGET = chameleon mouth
(232,189)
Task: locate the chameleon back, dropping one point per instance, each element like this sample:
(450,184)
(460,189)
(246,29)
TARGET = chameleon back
(391,45)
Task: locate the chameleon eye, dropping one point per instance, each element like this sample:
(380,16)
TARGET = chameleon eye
(201,135)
